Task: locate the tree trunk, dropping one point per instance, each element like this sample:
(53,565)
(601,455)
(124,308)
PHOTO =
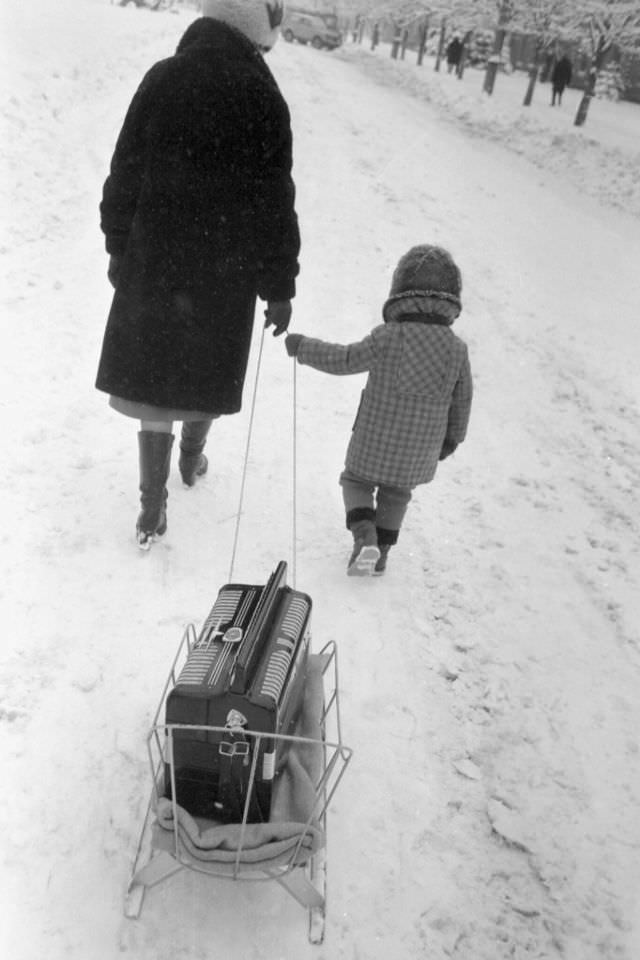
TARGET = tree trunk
(493,62)
(534,71)
(595,66)
(462,62)
(424,33)
(395,43)
(533,78)
(443,28)
(583,106)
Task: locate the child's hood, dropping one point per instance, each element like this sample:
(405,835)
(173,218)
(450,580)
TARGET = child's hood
(426,282)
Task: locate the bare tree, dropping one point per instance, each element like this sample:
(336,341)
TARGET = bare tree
(401,13)
(545,20)
(441,42)
(421,15)
(505,16)
(604,23)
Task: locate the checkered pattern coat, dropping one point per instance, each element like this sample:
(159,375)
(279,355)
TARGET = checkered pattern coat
(417,394)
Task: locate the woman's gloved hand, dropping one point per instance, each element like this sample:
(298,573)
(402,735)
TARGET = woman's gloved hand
(113,270)
(278,314)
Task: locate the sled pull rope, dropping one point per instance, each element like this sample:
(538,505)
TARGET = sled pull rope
(246,457)
(246,461)
(295,474)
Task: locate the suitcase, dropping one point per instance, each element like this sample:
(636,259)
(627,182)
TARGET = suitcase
(245,672)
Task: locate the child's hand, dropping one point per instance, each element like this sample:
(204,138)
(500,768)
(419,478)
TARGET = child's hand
(447,449)
(292,343)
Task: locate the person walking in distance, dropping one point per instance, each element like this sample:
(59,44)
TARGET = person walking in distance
(560,78)
(198,213)
(415,406)
(454,52)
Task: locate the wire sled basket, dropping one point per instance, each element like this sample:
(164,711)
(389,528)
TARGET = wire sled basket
(291,847)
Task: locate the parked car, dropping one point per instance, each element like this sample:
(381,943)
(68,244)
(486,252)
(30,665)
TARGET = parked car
(307,27)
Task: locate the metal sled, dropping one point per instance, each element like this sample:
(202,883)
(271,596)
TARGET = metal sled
(171,840)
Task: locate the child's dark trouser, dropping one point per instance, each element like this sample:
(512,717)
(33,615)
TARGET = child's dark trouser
(383,503)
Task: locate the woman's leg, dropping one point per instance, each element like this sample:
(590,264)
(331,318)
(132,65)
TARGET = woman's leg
(193,463)
(157,426)
(155,441)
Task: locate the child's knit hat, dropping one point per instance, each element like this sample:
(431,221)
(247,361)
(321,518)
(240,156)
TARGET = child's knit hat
(425,281)
(256,19)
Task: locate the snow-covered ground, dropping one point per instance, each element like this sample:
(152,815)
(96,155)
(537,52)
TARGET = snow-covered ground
(490,681)
(601,158)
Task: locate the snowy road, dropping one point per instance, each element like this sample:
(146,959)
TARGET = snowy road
(489,681)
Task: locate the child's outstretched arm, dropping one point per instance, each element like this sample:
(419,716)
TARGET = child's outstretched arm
(336,358)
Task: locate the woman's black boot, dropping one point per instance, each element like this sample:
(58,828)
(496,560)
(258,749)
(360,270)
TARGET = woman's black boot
(155,462)
(192,462)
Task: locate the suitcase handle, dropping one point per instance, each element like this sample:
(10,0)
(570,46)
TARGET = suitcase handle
(257,632)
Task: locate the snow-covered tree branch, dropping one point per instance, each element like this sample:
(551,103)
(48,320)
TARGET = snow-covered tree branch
(603,23)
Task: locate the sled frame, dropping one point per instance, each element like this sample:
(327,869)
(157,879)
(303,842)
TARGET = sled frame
(303,879)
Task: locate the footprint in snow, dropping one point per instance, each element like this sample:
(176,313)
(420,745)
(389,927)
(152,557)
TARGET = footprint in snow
(11,714)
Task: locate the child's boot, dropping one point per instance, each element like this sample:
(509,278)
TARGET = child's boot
(193,463)
(381,562)
(386,539)
(365,555)
(155,460)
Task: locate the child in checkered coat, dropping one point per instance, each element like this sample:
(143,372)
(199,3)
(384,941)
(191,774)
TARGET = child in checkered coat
(415,406)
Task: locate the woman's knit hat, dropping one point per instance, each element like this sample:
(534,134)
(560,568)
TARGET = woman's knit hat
(256,19)
(426,281)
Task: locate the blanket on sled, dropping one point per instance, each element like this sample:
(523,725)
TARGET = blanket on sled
(292,834)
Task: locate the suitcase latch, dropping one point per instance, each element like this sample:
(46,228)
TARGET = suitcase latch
(239,748)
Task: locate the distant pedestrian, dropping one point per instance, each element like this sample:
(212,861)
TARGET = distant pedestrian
(415,406)
(560,78)
(454,52)
(375,36)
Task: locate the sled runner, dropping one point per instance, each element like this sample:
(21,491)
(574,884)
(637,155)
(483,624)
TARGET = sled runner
(245,751)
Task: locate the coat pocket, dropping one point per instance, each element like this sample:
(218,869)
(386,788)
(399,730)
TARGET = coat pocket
(355,420)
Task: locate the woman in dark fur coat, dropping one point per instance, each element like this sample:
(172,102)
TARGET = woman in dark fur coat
(199,219)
